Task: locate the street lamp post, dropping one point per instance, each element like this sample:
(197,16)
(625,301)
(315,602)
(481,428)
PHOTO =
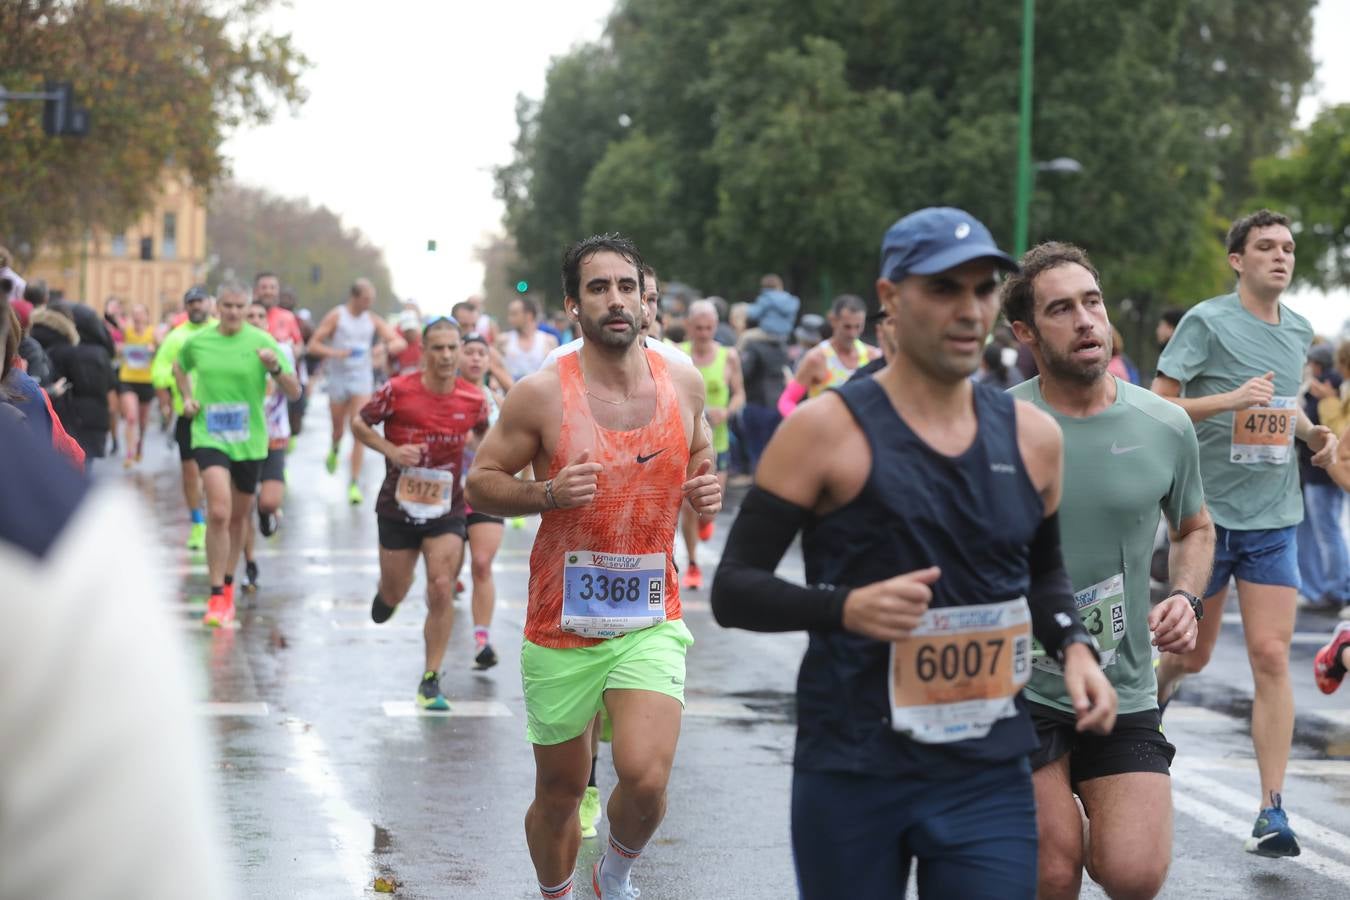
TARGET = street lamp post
(1024,169)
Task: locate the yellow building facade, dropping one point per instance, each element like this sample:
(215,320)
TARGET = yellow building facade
(154,261)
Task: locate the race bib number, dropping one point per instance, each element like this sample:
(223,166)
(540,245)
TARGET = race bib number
(1102,609)
(425,493)
(1265,434)
(357,354)
(136,356)
(609,594)
(959,672)
(228,422)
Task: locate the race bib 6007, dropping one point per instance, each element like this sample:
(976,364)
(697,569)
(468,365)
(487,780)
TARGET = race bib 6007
(959,672)
(609,594)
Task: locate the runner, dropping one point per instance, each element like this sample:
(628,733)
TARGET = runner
(833,361)
(1332,660)
(284,325)
(352,330)
(651,315)
(272,479)
(935,514)
(198,304)
(427,417)
(135,387)
(617,445)
(485,532)
(1235,364)
(222,372)
(524,347)
(721,370)
(1127,455)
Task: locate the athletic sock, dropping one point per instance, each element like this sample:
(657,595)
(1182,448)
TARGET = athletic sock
(618,861)
(229,580)
(480,636)
(562,890)
(592,783)
(217,591)
(198,517)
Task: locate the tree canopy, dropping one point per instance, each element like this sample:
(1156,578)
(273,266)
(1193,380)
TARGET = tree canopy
(734,137)
(164,80)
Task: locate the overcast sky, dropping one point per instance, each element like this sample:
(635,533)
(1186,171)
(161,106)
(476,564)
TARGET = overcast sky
(413,101)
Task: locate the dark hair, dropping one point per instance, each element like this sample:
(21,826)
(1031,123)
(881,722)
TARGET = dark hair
(848,303)
(583,250)
(993,358)
(531,306)
(1262,218)
(1019,291)
(647,271)
(1172,316)
(463,304)
(36,292)
(257,302)
(265,274)
(676,333)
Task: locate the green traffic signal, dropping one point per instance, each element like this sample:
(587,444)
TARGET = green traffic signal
(522,287)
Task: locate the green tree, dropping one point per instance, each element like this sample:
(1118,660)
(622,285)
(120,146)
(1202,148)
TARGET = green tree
(250,230)
(164,80)
(1311,184)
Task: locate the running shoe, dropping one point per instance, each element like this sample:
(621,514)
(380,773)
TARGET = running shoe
(380,611)
(517,522)
(290,446)
(219,611)
(612,891)
(692,579)
(429,694)
(251,576)
(590,811)
(128,463)
(1327,668)
(1271,835)
(197,536)
(486,658)
(330,462)
(706,529)
(268,522)
(354,495)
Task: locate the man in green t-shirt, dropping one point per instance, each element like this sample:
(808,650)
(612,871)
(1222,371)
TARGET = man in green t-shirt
(197,302)
(1127,456)
(1235,365)
(222,374)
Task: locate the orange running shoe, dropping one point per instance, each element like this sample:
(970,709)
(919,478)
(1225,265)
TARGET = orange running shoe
(706,529)
(1327,669)
(215,611)
(692,579)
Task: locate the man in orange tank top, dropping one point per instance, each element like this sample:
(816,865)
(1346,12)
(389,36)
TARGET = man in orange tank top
(617,445)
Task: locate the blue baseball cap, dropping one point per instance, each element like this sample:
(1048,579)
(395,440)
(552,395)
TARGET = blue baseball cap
(936,239)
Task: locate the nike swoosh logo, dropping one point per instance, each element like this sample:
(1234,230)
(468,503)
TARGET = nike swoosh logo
(1116,451)
(643,459)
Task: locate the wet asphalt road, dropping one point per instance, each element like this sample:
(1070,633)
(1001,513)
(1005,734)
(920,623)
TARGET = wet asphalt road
(328,775)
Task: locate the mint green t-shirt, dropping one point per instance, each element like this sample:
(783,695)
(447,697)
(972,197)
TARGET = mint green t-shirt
(230,383)
(1217,348)
(1123,466)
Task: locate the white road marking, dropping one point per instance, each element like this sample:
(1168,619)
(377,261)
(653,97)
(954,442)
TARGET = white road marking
(1221,821)
(459,709)
(1315,768)
(1305,828)
(1335,716)
(720,709)
(352,833)
(1181,712)
(224,710)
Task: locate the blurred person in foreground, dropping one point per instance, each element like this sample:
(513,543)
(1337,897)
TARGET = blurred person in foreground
(105,799)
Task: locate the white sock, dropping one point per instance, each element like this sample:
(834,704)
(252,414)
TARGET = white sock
(618,861)
(562,890)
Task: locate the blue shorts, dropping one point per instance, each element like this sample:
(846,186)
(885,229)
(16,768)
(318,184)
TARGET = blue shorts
(975,837)
(1261,556)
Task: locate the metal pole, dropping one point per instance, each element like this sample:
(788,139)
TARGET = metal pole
(1024,170)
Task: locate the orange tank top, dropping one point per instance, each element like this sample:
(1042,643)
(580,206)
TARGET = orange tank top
(637,499)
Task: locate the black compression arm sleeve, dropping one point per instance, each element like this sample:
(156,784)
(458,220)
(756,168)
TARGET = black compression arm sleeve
(1054,618)
(746,593)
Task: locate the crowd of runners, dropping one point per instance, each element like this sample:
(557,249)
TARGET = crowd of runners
(989,665)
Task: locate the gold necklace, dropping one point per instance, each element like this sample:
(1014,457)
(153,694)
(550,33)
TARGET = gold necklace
(625,399)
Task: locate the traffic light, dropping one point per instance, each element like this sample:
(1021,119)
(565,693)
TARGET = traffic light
(522,287)
(60,115)
(431,246)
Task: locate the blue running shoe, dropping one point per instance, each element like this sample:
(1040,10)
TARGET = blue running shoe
(1271,835)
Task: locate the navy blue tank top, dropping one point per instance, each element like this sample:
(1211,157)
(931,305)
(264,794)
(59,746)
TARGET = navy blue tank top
(975,516)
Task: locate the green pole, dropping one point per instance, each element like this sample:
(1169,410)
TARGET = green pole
(1024,170)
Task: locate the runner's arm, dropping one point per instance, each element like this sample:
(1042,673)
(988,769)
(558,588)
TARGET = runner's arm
(1191,555)
(394,342)
(497,366)
(1198,408)
(800,383)
(508,447)
(318,344)
(735,382)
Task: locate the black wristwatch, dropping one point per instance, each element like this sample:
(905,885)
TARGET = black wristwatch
(1197,605)
(1079,637)
(275,373)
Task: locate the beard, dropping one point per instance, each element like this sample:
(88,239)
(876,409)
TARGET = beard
(595,332)
(1063,365)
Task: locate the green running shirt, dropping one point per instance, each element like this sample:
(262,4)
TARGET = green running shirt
(230,383)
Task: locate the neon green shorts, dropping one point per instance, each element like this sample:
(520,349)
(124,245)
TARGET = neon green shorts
(564,689)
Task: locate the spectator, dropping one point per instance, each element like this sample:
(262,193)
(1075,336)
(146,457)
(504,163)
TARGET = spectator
(998,366)
(739,318)
(1121,365)
(1167,324)
(1323,559)
(726,333)
(764,366)
(78,354)
(775,310)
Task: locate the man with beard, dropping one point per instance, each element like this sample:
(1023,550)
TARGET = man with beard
(1127,455)
(617,442)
